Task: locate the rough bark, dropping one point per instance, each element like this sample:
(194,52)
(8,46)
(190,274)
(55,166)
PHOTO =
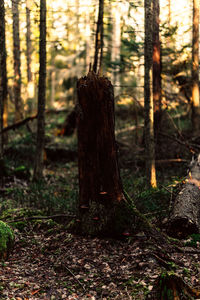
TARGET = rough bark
(195,68)
(185,216)
(149,114)
(99,39)
(100,187)
(38,170)
(17,61)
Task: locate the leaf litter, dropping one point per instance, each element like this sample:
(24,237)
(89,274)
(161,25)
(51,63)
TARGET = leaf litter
(59,265)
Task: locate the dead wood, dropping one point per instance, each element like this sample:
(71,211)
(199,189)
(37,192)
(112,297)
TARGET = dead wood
(170,286)
(26,120)
(70,124)
(55,153)
(185,214)
(58,216)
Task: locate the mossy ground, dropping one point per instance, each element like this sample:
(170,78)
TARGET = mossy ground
(6,240)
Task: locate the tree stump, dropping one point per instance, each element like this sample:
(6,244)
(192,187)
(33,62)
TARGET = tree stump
(101,196)
(6,241)
(185,216)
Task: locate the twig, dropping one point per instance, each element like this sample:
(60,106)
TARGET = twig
(75,277)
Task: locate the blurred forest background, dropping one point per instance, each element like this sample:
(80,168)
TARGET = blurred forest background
(70,49)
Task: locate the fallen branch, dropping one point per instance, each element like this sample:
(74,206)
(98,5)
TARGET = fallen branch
(190,146)
(40,218)
(26,120)
(18,124)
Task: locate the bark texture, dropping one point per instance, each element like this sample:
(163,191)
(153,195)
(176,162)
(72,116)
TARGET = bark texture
(185,216)
(149,114)
(38,170)
(17,61)
(100,187)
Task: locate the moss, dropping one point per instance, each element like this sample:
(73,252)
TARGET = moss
(6,240)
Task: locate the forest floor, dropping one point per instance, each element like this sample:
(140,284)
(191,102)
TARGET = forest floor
(54,264)
(49,262)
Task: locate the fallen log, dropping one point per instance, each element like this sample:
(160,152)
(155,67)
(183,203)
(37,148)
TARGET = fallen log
(185,215)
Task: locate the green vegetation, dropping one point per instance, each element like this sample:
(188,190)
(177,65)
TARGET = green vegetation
(6,240)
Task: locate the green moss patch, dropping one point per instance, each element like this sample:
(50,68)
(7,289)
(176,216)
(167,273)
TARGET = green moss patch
(6,240)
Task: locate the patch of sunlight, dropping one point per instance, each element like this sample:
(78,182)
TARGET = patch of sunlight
(125,101)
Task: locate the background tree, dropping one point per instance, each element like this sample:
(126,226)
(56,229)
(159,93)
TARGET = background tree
(195,67)
(17,61)
(30,85)
(99,39)
(3,84)
(39,158)
(156,58)
(148,97)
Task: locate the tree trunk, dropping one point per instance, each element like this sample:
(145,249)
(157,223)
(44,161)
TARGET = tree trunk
(38,170)
(3,87)
(30,84)
(116,43)
(88,38)
(185,216)
(17,61)
(98,56)
(195,68)
(149,114)
(156,58)
(3,73)
(100,187)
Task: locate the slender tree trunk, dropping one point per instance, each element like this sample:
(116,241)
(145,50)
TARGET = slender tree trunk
(3,85)
(53,87)
(156,58)
(30,84)
(98,56)
(100,187)
(88,37)
(38,170)
(116,43)
(195,67)
(169,12)
(149,114)
(17,61)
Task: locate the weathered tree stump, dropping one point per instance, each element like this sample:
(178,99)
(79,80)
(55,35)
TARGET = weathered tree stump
(6,241)
(101,196)
(185,216)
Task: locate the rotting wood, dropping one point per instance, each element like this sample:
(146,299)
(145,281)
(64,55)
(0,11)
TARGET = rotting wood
(100,186)
(185,215)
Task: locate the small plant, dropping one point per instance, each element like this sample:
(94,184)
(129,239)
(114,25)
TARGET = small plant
(193,241)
